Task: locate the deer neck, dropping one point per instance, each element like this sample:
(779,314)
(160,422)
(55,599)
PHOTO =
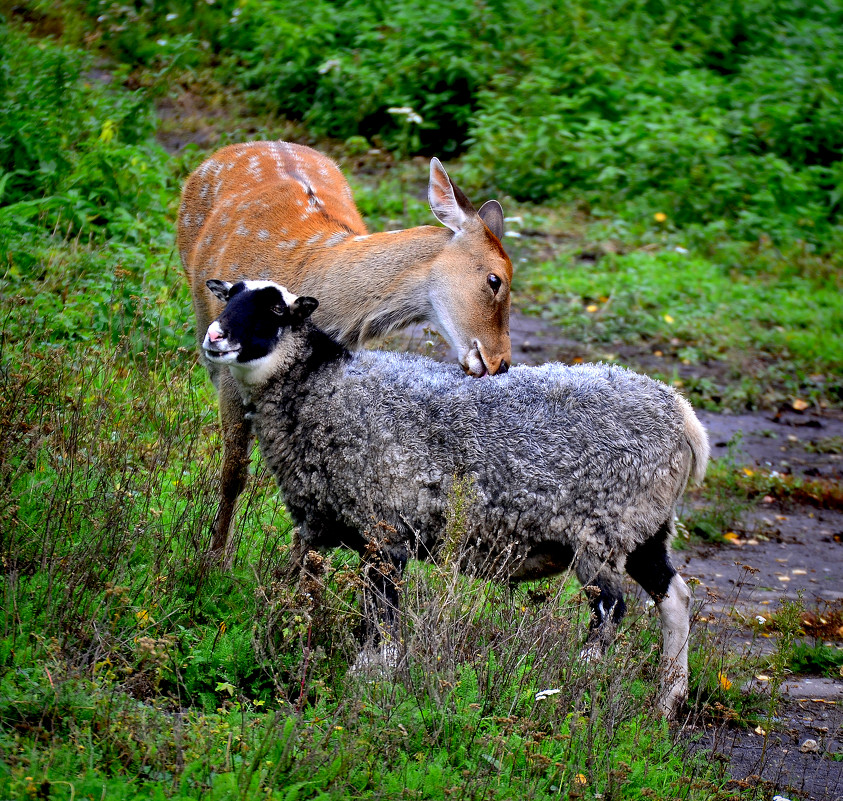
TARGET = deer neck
(385,281)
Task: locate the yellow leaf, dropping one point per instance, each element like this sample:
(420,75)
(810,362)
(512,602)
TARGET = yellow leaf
(799,405)
(660,217)
(580,779)
(762,677)
(591,308)
(668,318)
(108,131)
(759,730)
(724,681)
(748,472)
(731,536)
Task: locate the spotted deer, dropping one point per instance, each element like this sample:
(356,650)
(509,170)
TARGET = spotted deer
(282,212)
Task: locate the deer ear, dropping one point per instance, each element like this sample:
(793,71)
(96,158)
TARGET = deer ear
(303,307)
(491,213)
(219,288)
(447,202)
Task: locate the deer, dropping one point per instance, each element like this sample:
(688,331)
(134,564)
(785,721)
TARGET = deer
(283,212)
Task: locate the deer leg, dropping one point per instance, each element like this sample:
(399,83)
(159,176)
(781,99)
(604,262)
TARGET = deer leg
(236,433)
(649,564)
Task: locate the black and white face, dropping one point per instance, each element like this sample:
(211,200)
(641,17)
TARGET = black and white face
(253,321)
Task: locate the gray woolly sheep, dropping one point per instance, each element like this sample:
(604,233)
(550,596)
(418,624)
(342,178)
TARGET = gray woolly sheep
(569,466)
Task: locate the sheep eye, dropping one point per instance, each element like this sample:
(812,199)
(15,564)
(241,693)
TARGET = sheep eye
(493,282)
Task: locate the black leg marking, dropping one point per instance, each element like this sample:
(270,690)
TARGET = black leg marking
(649,564)
(382,571)
(607,605)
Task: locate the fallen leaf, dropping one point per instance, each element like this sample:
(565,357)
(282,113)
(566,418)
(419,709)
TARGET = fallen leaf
(762,677)
(580,779)
(591,308)
(748,472)
(724,681)
(799,404)
(731,536)
(759,730)
(668,318)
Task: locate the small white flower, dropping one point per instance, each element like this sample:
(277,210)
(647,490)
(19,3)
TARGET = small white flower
(407,112)
(161,42)
(760,620)
(542,694)
(330,64)
(680,249)
(171,17)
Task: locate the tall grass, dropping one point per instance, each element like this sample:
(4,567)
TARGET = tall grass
(127,666)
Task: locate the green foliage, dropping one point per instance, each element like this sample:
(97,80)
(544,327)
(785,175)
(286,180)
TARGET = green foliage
(75,154)
(639,108)
(817,660)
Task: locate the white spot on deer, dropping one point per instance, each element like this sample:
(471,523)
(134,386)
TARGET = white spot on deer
(199,221)
(241,229)
(287,244)
(361,238)
(314,239)
(335,239)
(254,168)
(185,220)
(203,192)
(263,234)
(207,240)
(225,220)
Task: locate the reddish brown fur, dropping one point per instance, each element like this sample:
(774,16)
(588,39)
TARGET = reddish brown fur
(283,212)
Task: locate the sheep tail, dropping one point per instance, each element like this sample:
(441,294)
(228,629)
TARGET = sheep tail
(697,440)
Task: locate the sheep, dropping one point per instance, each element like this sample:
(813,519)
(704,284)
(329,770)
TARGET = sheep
(570,466)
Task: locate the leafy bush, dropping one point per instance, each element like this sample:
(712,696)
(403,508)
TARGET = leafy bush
(705,112)
(74,152)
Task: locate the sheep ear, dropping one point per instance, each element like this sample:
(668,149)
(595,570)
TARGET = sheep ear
(220,288)
(491,212)
(302,308)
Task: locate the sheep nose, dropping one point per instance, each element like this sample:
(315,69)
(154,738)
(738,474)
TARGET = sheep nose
(503,367)
(215,333)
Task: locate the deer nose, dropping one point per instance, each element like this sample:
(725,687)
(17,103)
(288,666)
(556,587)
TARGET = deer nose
(503,367)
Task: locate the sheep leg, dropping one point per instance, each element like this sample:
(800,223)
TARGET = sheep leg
(607,611)
(236,433)
(649,564)
(382,571)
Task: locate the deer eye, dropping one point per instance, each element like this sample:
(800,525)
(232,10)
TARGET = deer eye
(278,309)
(494,282)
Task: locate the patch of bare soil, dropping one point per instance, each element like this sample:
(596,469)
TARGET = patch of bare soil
(783,550)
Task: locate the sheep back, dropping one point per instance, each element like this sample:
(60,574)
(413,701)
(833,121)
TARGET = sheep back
(593,456)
